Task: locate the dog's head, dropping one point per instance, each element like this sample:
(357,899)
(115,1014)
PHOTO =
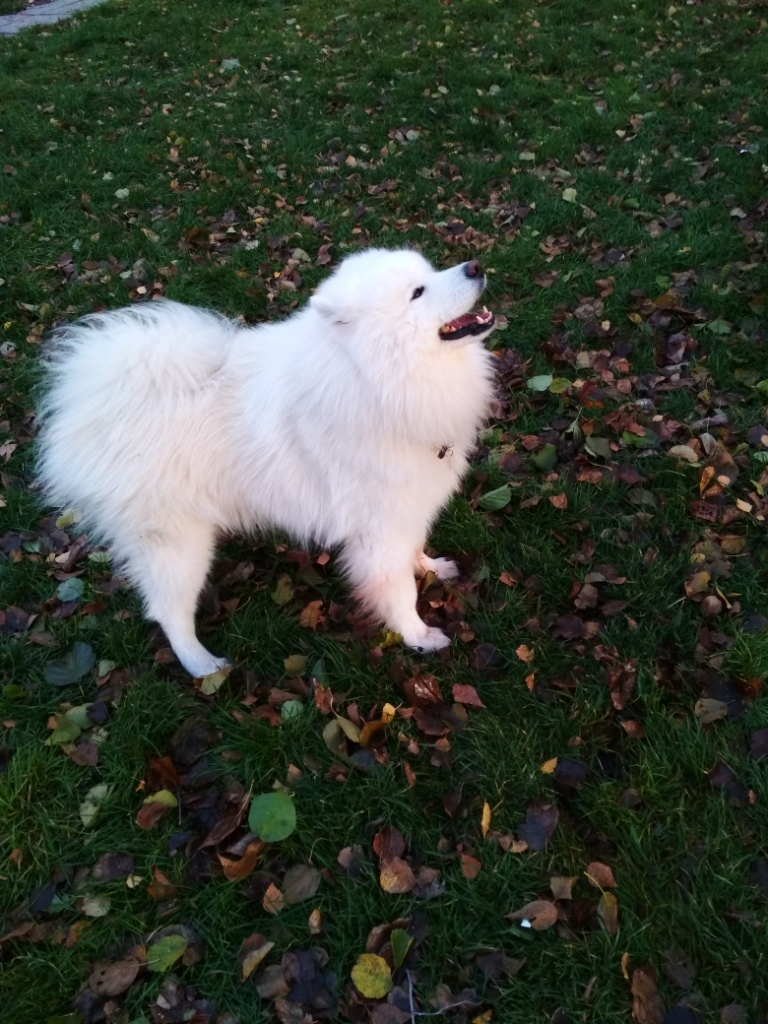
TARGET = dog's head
(398,296)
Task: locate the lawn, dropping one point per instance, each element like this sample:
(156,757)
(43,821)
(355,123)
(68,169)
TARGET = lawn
(602,700)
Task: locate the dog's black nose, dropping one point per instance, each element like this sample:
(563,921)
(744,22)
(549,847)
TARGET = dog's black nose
(473,269)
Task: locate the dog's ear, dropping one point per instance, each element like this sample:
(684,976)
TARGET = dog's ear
(322,304)
(331,307)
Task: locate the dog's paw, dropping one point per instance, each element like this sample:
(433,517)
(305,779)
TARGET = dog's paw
(206,666)
(428,639)
(443,568)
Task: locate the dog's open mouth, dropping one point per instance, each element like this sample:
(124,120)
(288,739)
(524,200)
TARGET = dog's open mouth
(468,324)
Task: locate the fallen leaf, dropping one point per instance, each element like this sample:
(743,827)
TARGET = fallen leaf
(600,875)
(96,906)
(608,912)
(401,942)
(525,653)
(465,694)
(470,866)
(561,887)
(111,866)
(485,820)
(647,1004)
(235,870)
(73,666)
(91,805)
(300,883)
(272,816)
(709,710)
(108,980)
(274,900)
(252,951)
(539,914)
(396,876)
(371,976)
(164,953)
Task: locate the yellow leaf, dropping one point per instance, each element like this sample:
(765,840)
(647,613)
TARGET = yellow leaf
(164,797)
(485,821)
(549,766)
(387,713)
(372,976)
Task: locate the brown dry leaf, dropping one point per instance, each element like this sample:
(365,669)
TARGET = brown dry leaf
(561,886)
(300,883)
(396,876)
(470,866)
(149,815)
(647,1005)
(525,653)
(465,694)
(273,901)
(388,843)
(237,870)
(600,875)
(373,734)
(113,979)
(315,922)
(540,913)
(422,690)
(253,950)
(608,912)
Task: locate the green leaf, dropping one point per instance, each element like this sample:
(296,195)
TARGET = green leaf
(497,499)
(559,386)
(719,327)
(67,518)
(12,691)
(272,817)
(71,667)
(600,447)
(350,730)
(647,440)
(540,383)
(401,943)
(164,953)
(66,731)
(291,709)
(333,737)
(546,459)
(283,592)
(71,589)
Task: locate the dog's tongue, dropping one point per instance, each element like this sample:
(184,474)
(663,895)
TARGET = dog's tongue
(469,323)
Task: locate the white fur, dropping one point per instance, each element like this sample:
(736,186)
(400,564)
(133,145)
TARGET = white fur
(166,425)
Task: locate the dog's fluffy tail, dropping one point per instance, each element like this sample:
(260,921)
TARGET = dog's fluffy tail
(121,395)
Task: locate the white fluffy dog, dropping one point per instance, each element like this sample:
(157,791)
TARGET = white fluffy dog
(349,423)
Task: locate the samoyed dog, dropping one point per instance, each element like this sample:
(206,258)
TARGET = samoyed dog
(348,424)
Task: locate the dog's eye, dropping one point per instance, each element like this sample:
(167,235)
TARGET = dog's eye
(417,293)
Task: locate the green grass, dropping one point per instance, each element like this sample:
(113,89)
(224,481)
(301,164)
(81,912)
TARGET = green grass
(121,135)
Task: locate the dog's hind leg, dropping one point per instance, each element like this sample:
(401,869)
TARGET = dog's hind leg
(382,575)
(169,568)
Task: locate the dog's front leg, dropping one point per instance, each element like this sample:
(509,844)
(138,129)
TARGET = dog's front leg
(382,572)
